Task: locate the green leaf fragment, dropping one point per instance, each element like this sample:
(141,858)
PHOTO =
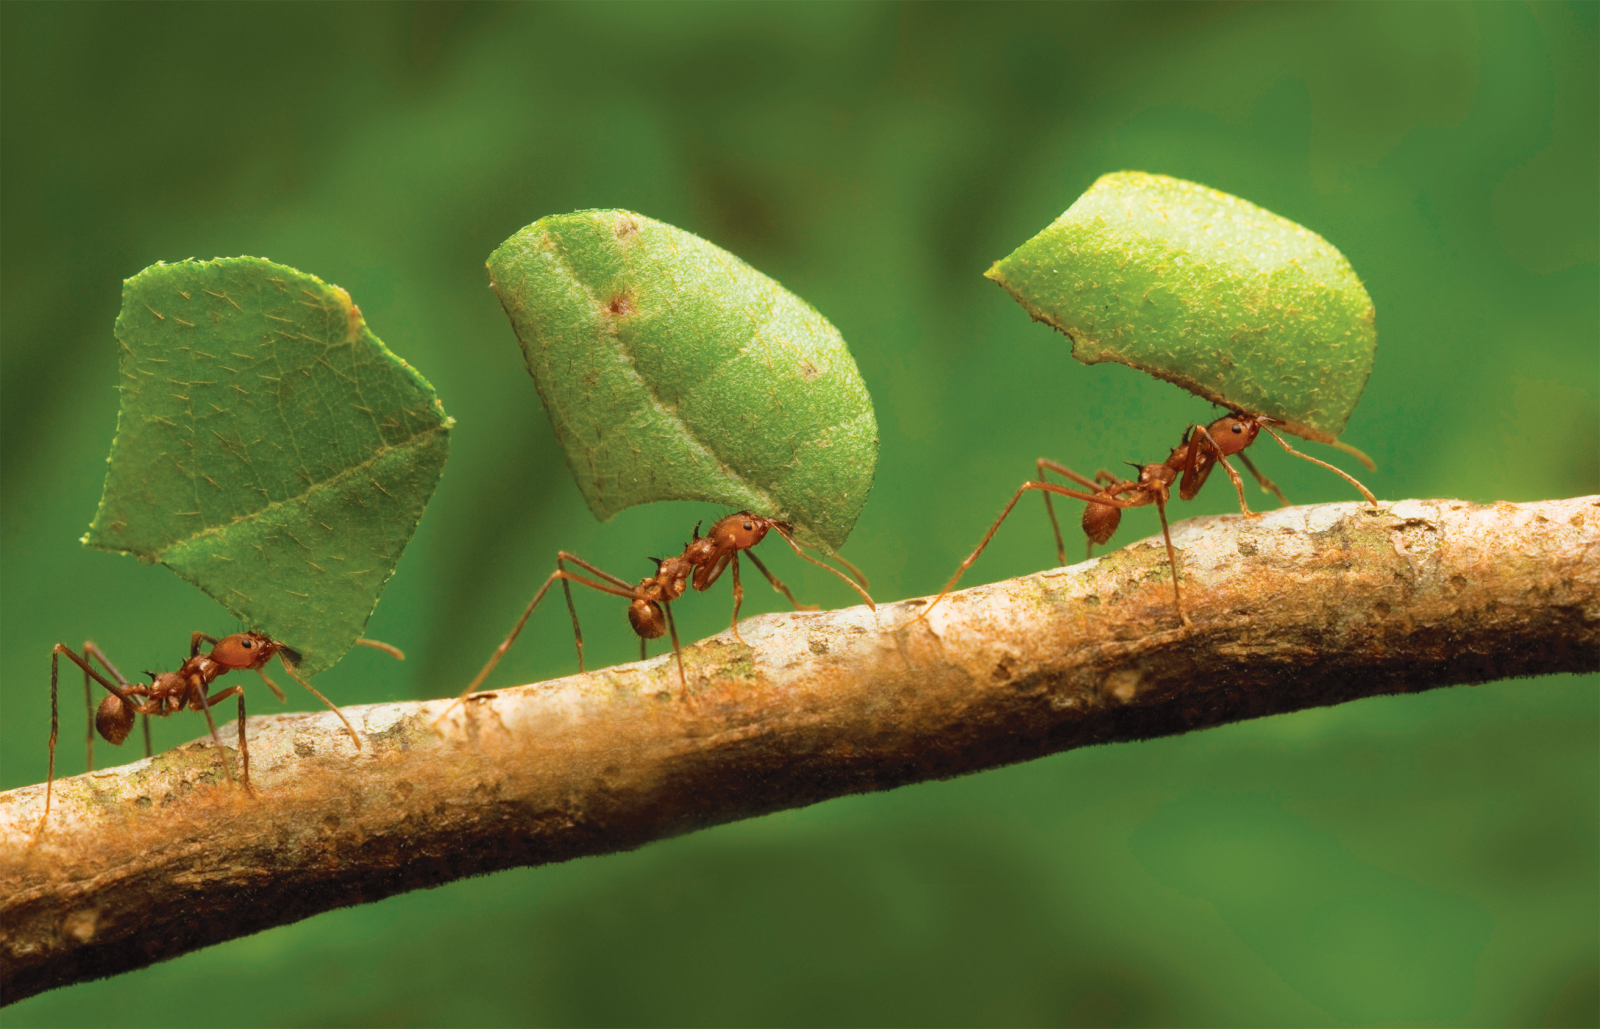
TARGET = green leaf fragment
(672,370)
(270,449)
(1215,294)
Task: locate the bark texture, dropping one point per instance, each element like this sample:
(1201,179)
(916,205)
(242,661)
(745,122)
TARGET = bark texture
(1302,607)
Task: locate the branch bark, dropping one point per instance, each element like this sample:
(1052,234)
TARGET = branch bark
(1299,608)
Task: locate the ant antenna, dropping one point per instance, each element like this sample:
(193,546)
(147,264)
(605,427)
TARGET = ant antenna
(388,648)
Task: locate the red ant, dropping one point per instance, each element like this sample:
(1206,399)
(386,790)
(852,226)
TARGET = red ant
(170,692)
(700,565)
(1203,447)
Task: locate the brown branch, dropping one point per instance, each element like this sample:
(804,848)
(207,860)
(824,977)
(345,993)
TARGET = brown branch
(1302,607)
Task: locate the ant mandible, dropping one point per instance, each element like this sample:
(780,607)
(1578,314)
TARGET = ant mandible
(1202,449)
(700,565)
(170,692)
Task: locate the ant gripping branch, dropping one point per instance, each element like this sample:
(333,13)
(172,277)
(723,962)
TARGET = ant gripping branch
(170,692)
(700,565)
(1202,449)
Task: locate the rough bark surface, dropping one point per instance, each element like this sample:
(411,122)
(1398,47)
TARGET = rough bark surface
(1302,607)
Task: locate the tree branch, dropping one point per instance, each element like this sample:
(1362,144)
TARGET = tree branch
(1299,608)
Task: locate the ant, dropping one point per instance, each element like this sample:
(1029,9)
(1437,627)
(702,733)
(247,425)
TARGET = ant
(1202,449)
(700,565)
(170,692)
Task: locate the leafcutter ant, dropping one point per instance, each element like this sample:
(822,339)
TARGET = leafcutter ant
(1202,449)
(700,565)
(170,692)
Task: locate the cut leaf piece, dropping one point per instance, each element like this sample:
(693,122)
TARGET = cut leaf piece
(672,370)
(1215,294)
(270,449)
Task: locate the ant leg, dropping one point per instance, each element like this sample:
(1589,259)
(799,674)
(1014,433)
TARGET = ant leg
(211,723)
(387,648)
(852,571)
(643,652)
(777,584)
(1238,483)
(288,666)
(1050,509)
(562,555)
(145,721)
(683,676)
(88,709)
(620,590)
(1096,498)
(1348,478)
(1172,559)
(1061,469)
(94,652)
(244,749)
(124,692)
(847,580)
(738,598)
(1267,485)
(577,630)
(50,777)
(706,576)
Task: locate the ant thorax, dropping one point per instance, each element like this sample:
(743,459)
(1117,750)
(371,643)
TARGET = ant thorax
(672,576)
(1154,476)
(169,691)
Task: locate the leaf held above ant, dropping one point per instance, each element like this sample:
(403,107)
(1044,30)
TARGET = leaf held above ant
(672,370)
(1208,291)
(270,449)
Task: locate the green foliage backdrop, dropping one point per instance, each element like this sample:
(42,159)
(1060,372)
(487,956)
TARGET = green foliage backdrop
(1410,860)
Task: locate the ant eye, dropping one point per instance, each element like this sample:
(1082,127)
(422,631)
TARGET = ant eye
(246,644)
(1237,428)
(748,527)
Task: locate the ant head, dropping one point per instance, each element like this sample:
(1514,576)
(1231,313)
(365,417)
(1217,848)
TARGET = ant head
(647,620)
(1241,426)
(247,650)
(740,531)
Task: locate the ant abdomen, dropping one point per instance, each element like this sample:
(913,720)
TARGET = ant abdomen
(1100,521)
(647,620)
(114,719)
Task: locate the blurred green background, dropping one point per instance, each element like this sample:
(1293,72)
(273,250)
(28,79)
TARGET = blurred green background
(1416,860)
